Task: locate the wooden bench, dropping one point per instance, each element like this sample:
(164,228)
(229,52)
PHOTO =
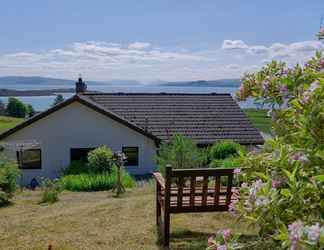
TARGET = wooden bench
(190,191)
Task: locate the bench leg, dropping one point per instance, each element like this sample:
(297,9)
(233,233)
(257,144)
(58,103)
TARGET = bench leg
(166,229)
(158,207)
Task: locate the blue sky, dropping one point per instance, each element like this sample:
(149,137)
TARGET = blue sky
(154,39)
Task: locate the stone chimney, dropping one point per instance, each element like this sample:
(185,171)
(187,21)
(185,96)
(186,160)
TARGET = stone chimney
(80,86)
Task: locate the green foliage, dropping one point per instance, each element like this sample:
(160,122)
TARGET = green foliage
(224,149)
(58,99)
(51,190)
(16,108)
(30,110)
(77,167)
(283,190)
(231,162)
(2,108)
(9,173)
(100,159)
(180,152)
(96,182)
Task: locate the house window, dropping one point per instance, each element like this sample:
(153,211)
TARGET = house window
(132,156)
(80,154)
(30,159)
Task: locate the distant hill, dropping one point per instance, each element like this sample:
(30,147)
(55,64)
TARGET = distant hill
(35,80)
(203,83)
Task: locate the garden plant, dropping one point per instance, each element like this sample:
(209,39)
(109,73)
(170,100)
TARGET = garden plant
(282,191)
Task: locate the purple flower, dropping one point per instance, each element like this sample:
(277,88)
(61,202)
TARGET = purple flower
(237,171)
(222,247)
(313,232)
(313,86)
(276,183)
(299,156)
(295,232)
(227,234)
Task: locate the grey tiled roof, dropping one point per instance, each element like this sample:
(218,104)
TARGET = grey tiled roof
(206,118)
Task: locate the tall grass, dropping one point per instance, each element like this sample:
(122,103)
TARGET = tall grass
(95,181)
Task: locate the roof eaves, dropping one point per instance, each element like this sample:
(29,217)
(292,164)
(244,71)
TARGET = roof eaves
(85,101)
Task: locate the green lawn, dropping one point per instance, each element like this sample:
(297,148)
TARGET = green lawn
(259,119)
(98,220)
(7,122)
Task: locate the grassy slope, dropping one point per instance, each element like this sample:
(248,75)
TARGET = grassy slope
(7,122)
(97,220)
(259,119)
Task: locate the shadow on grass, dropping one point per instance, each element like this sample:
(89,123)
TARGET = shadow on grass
(6,204)
(183,239)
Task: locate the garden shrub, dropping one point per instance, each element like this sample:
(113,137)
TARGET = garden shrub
(100,159)
(77,167)
(180,152)
(230,162)
(224,149)
(283,187)
(51,190)
(96,181)
(9,173)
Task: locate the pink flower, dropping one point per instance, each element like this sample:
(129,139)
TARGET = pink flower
(237,171)
(227,234)
(306,98)
(211,241)
(276,183)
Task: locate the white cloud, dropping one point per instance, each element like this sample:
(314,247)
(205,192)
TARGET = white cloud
(139,45)
(100,60)
(233,45)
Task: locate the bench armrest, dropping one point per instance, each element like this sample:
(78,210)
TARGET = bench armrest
(159,178)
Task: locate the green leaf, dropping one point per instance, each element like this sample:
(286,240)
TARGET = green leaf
(285,192)
(319,178)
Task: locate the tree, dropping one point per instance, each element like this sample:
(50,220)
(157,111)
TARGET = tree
(30,110)
(58,99)
(2,108)
(180,152)
(283,189)
(16,108)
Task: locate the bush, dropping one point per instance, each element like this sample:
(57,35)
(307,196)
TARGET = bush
(224,150)
(77,167)
(181,152)
(230,162)
(96,181)
(9,173)
(283,189)
(100,159)
(51,190)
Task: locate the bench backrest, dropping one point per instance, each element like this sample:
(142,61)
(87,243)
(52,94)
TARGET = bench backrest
(198,190)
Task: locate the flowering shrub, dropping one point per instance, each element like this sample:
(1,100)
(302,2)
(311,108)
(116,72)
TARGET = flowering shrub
(223,240)
(283,190)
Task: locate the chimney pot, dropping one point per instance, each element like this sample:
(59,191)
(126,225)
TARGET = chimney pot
(80,86)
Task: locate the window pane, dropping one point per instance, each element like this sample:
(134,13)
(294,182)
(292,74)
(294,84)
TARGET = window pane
(30,159)
(80,154)
(132,156)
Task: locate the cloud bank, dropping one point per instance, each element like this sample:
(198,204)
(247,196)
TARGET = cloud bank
(99,60)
